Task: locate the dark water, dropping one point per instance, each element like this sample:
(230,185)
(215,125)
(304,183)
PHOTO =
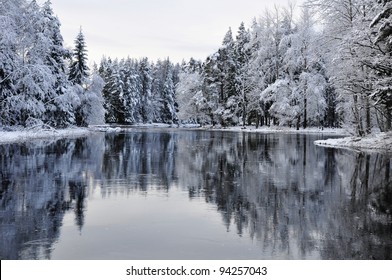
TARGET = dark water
(193,195)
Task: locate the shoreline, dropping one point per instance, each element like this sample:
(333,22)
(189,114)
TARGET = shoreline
(27,135)
(251,129)
(381,142)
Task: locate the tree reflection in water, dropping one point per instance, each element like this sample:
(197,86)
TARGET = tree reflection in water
(296,200)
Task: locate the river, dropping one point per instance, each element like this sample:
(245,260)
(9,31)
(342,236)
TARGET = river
(193,194)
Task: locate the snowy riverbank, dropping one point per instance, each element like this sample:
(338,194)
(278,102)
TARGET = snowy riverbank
(381,142)
(25,135)
(378,142)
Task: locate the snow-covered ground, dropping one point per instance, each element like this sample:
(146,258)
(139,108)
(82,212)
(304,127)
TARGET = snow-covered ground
(377,142)
(25,135)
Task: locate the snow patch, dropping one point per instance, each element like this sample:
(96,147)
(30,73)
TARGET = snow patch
(25,135)
(377,142)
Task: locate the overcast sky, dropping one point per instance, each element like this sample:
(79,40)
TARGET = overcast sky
(178,29)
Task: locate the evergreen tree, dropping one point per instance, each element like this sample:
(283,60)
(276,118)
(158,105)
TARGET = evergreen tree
(242,84)
(145,79)
(229,65)
(228,91)
(78,75)
(131,92)
(78,70)
(169,110)
(116,91)
(59,109)
(211,90)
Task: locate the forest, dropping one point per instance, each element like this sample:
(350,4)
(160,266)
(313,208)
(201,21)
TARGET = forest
(326,64)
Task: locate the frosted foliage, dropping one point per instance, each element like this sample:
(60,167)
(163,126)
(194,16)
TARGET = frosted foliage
(281,95)
(95,114)
(187,94)
(316,88)
(326,67)
(33,82)
(139,91)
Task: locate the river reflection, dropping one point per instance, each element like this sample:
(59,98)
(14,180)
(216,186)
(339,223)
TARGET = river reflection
(193,195)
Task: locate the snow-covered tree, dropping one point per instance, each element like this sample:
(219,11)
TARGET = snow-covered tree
(9,58)
(34,84)
(211,89)
(347,45)
(59,110)
(169,109)
(242,83)
(93,110)
(189,92)
(382,63)
(131,92)
(303,63)
(145,79)
(78,70)
(113,91)
(137,91)
(163,92)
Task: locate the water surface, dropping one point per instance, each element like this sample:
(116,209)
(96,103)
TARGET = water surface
(172,194)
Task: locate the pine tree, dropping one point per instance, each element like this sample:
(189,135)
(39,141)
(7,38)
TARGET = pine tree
(78,70)
(212,89)
(228,67)
(131,92)
(145,79)
(59,105)
(169,110)
(242,57)
(116,91)
(78,76)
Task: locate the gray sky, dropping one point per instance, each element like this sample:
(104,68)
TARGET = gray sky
(178,29)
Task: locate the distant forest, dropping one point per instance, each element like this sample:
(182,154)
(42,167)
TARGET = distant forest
(326,63)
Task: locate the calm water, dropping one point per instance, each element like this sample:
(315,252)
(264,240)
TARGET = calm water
(193,195)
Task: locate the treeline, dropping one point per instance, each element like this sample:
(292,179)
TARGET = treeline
(333,71)
(139,91)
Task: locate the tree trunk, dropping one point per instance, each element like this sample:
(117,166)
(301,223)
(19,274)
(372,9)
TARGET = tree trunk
(357,117)
(388,123)
(368,118)
(305,112)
